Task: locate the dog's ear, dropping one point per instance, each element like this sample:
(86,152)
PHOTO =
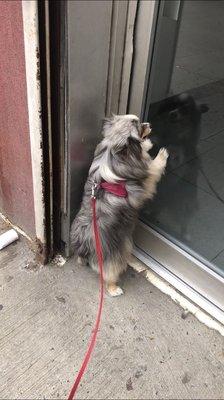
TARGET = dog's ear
(107,123)
(120,149)
(134,147)
(131,148)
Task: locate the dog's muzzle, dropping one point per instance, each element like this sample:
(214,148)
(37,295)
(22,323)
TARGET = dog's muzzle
(145,129)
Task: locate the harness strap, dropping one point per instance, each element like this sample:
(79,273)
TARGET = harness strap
(118,189)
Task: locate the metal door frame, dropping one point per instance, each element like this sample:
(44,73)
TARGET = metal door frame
(120,23)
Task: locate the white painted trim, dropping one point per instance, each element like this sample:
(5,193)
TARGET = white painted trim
(31,43)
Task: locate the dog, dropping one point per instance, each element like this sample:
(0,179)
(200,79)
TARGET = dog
(176,126)
(121,160)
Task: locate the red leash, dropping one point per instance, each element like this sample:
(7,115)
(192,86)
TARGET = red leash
(97,323)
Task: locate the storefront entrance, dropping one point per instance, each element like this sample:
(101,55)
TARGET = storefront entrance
(165,62)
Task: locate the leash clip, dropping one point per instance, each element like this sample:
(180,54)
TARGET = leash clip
(93,190)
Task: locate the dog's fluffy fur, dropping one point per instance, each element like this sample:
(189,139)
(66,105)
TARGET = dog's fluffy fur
(122,155)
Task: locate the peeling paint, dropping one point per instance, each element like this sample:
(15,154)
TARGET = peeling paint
(38,64)
(40,249)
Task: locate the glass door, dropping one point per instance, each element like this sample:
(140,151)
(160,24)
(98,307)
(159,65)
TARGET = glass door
(181,233)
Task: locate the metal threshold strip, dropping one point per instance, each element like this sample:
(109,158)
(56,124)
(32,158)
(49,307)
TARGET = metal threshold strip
(188,275)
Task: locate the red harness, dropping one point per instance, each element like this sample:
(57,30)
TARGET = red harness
(118,189)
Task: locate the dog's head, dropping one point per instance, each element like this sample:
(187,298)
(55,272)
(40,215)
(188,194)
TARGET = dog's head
(122,154)
(124,134)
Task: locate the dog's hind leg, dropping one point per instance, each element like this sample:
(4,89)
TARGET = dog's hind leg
(113,289)
(112,272)
(115,268)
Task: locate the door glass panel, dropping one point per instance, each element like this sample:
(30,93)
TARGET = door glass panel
(189,122)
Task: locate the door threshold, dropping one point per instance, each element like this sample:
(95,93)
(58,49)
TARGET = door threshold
(192,277)
(180,292)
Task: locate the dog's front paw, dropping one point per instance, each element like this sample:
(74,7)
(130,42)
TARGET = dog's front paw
(114,290)
(162,157)
(163,153)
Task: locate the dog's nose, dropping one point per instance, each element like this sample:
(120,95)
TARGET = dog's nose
(145,129)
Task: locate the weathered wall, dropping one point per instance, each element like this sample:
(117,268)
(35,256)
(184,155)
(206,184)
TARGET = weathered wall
(16,187)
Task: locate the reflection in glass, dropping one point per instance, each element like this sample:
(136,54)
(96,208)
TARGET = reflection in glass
(189,206)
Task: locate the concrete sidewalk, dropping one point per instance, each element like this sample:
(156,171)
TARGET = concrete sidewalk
(145,350)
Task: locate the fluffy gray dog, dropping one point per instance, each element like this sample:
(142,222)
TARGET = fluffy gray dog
(125,177)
